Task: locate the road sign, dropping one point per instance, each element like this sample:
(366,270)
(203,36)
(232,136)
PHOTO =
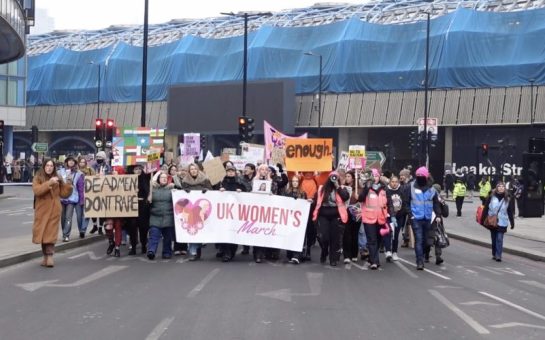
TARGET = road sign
(376,156)
(40,147)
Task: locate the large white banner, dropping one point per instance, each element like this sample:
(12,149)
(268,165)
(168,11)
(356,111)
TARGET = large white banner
(240,218)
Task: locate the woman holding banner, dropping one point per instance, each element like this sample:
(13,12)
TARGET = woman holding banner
(195,180)
(294,190)
(161,218)
(48,189)
(330,213)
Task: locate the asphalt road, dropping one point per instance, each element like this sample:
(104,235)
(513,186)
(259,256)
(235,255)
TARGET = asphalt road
(91,296)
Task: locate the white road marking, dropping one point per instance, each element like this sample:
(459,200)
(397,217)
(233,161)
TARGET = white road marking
(28,222)
(468,319)
(203,283)
(160,329)
(32,286)
(511,304)
(90,254)
(314,281)
(426,270)
(516,324)
(489,270)
(406,270)
(359,267)
(476,303)
(534,284)
(448,287)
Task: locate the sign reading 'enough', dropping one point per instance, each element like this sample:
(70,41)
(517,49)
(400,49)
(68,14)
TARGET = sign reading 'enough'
(309,154)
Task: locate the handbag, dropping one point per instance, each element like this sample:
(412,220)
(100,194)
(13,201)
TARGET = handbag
(444,209)
(479,215)
(491,222)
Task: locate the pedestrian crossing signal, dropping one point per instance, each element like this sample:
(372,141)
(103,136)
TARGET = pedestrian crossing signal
(484,149)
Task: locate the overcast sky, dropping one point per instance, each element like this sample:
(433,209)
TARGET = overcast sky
(96,14)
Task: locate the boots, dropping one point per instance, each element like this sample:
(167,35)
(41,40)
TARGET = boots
(44,260)
(94,230)
(117,253)
(111,247)
(49,250)
(100,232)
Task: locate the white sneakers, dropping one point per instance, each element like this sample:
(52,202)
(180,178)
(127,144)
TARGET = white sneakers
(388,256)
(394,257)
(346,260)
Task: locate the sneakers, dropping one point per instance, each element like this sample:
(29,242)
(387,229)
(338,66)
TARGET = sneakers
(117,253)
(438,260)
(389,256)
(347,260)
(354,259)
(81,234)
(498,259)
(94,230)
(177,253)
(395,257)
(373,266)
(65,239)
(151,255)
(294,260)
(420,266)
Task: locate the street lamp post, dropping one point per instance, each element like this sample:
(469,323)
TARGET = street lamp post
(319,91)
(426,89)
(532,81)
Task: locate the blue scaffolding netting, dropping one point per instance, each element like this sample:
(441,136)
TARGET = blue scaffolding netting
(468,49)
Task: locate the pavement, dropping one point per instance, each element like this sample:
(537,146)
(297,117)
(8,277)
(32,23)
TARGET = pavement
(526,240)
(16,216)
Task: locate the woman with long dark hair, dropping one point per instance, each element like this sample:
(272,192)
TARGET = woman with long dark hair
(500,207)
(330,214)
(294,190)
(48,189)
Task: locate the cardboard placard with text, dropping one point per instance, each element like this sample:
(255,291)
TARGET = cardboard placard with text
(111,196)
(310,154)
(214,170)
(278,156)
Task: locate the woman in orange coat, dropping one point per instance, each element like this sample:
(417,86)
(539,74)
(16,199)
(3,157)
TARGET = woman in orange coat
(48,190)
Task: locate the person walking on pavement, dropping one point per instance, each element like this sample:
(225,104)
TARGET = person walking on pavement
(500,207)
(484,188)
(459,193)
(75,202)
(374,212)
(448,182)
(471,183)
(423,201)
(330,213)
(48,189)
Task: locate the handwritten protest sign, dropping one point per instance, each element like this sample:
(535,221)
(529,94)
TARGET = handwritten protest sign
(278,156)
(192,144)
(111,196)
(214,170)
(311,154)
(240,218)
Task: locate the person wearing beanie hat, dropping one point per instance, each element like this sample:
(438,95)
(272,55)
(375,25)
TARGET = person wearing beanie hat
(424,200)
(459,192)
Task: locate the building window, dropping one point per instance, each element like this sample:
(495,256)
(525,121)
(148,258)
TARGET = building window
(12,92)
(3,92)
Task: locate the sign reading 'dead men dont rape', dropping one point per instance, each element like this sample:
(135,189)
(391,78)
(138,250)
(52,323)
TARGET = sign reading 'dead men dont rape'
(111,196)
(240,218)
(308,154)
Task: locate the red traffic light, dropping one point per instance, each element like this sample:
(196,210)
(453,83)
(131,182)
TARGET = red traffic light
(484,147)
(99,122)
(110,123)
(241,121)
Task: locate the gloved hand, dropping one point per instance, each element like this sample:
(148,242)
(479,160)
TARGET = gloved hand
(280,168)
(512,227)
(204,191)
(187,190)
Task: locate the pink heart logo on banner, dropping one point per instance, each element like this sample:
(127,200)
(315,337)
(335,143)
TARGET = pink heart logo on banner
(193,215)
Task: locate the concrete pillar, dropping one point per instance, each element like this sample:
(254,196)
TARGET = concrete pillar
(448,145)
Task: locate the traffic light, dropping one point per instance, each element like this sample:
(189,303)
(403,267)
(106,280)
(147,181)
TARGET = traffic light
(242,128)
(1,132)
(432,140)
(99,132)
(412,139)
(250,128)
(110,127)
(484,149)
(34,130)
(203,142)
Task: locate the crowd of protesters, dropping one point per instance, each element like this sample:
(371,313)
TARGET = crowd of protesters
(353,216)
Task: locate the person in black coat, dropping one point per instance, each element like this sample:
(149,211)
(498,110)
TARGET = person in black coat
(231,182)
(140,225)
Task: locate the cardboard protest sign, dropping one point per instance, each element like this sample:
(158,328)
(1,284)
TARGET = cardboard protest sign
(343,161)
(278,156)
(214,170)
(111,196)
(311,154)
(253,153)
(240,218)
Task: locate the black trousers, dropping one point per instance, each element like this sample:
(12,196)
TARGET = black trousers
(139,225)
(329,236)
(350,240)
(459,203)
(228,249)
(372,233)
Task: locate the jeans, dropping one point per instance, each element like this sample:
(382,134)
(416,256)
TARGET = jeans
(362,238)
(155,234)
(497,241)
(66,218)
(420,230)
(400,225)
(193,248)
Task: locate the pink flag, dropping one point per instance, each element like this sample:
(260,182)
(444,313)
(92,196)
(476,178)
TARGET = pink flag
(275,139)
